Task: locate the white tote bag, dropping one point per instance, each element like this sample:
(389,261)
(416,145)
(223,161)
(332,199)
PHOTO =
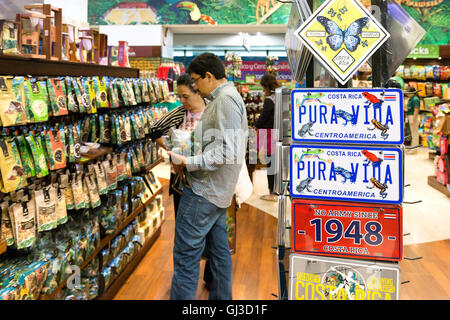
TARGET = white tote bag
(244,186)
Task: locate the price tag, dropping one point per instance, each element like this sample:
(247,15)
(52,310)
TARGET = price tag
(349,230)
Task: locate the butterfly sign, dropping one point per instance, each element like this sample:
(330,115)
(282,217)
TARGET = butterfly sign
(342,35)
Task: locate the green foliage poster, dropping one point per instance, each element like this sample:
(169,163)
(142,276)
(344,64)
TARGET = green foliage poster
(433,16)
(132,12)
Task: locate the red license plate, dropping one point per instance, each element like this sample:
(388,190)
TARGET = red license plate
(348,230)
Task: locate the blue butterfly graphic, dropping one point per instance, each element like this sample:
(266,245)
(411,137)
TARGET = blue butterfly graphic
(343,10)
(337,36)
(324,49)
(319,43)
(339,17)
(331,12)
(364,43)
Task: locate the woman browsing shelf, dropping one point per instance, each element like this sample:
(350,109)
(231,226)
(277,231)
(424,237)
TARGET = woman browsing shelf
(184,118)
(264,124)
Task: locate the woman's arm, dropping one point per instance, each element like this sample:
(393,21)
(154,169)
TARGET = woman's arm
(171,119)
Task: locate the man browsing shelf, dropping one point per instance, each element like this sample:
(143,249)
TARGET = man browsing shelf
(212,174)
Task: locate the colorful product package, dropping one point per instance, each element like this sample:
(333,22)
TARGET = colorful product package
(61,207)
(37,151)
(23,219)
(46,208)
(26,157)
(101,178)
(89,87)
(36,98)
(6,225)
(72,104)
(94,196)
(65,182)
(137,90)
(12,107)
(81,94)
(110,168)
(57,94)
(77,189)
(11,169)
(55,149)
(100,88)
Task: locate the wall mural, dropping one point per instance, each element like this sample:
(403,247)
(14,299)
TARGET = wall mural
(433,16)
(131,12)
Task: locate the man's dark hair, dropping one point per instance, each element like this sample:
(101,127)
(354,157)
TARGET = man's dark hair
(186,80)
(207,62)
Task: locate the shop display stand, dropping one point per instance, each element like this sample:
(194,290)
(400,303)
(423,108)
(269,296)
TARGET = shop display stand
(22,66)
(287,249)
(104,243)
(432,182)
(18,65)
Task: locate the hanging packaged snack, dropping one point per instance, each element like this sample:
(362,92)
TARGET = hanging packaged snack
(61,206)
(46,208)
(22,217)
(65,182)
(93,128)
(89,88)
(124,98)
(6,229)
(133,127)
(104,128)
(76,140)
(94,196)
(12,108)
(36,99)
(78,189)
(114,130)
(55,149)
(129,88)
(26,157)
(121,166)
(118,206)
(140,155)
(101,178)
(137,90)
(85,124)
(11,169)
(127,125)
(100,88)
(153,96)
(121,132)
(56,92)
(81,94)
(110,168)
(115,95)
(145,91)
(112,98)
(71,101)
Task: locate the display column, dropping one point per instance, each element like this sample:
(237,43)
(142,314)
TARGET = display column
(346,169)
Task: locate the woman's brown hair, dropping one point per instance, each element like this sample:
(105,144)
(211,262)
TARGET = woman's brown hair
(270,81)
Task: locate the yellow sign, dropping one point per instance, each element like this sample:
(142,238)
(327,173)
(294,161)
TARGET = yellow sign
(342,35)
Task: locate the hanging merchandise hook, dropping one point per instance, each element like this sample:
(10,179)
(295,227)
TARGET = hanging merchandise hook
(413,202)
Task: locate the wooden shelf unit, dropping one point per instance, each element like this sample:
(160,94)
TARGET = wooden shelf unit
(103,243)
(21,66)
(432,182)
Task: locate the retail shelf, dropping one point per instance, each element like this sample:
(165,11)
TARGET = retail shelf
(153,165)
(117,284)
(21,66)
(2,246)
(104,242)
(432,182)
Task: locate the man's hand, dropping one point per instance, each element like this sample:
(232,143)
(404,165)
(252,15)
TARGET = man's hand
(177,160)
